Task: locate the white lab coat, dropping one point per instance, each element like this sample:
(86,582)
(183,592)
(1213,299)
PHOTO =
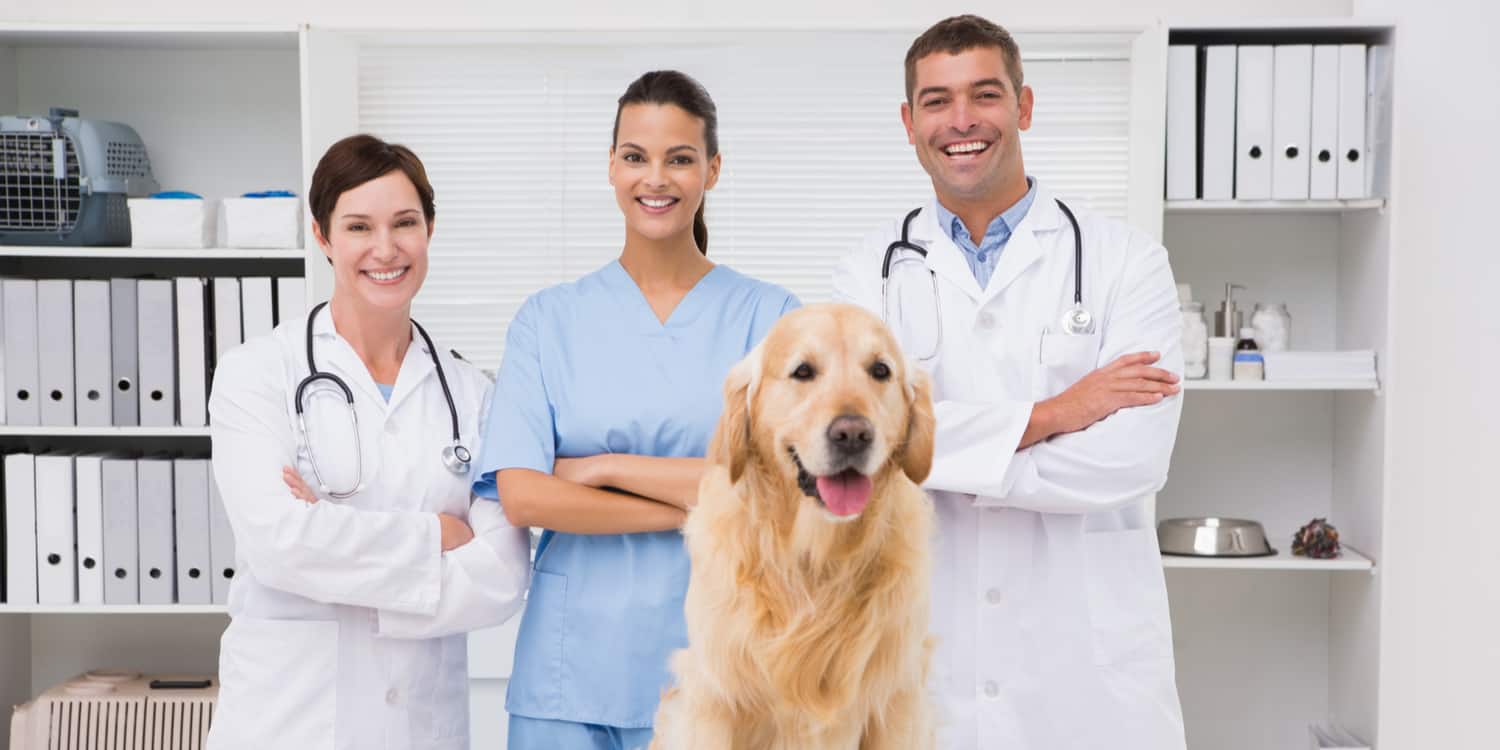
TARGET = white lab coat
(1049,601)
(348,620)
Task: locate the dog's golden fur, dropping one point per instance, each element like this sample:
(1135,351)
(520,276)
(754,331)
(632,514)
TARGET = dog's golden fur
(808,631)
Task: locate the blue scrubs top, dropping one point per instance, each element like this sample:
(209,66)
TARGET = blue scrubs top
(589,369)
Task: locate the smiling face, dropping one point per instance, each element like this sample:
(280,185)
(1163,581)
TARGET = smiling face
(660,169)
(377,240)
(965,118)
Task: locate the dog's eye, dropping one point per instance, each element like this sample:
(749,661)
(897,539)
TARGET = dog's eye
(804,371)
(880,371)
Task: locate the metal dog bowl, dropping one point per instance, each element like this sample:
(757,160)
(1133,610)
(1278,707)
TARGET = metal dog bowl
(1212,537)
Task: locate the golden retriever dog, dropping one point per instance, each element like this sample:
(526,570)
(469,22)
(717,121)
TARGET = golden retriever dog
(807,610)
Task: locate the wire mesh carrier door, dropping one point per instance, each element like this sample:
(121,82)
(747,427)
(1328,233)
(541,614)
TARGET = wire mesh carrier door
(64,179)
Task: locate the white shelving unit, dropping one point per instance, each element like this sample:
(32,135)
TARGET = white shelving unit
(1302,450)
(1349,560)
(112,609)
(146,253)
(1275,207)
(219,110)
(1281,385)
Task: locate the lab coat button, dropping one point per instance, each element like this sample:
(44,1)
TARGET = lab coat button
(992,596)
(986,320)
(391,696)
(391,428)
(991,689)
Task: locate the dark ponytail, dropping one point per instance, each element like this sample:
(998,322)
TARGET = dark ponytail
(681,91)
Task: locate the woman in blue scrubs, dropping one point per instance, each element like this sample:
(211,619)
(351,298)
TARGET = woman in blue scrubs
(615,381)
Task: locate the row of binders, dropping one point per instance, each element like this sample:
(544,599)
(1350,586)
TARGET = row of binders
(127,352)
(104,530)
(1282,122)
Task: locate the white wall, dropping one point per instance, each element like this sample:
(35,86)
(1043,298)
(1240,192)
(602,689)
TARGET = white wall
(1441,599)
(607,14)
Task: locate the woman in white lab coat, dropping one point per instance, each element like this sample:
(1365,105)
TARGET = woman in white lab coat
(349,611)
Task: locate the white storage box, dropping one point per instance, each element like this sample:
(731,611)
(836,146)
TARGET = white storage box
(272,222)
(171,222)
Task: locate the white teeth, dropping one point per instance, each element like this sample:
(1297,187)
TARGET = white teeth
(966,148)
(658,202)
(387,276)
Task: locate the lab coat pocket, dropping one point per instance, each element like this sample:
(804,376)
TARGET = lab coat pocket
(277,684)
(536,680)
(1065,359)
(1127,596)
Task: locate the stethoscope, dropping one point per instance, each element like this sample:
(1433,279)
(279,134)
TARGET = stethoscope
(455,456)
(1076,320)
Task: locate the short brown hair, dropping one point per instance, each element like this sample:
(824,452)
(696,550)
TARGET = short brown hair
(356,160)
(961,34)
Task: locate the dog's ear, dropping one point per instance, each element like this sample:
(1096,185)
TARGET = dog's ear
(731,443)
(921,425)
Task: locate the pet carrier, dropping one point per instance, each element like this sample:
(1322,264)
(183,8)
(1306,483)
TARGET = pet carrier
(64,180)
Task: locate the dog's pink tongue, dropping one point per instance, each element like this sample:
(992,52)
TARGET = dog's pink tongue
(845,494)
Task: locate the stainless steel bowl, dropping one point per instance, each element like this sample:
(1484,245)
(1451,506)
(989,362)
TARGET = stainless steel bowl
(1212,537)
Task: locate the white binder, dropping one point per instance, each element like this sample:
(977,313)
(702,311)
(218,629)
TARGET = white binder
(20,529)
(256,304)
(1352,121)
(1323,141)
(22,403)
(93,396)
(221,542)
(1252,134)
(153,482)
(54,335)
(1378,80)
(1219,78)
(192,354)
(55,534)
(291,299)
(121,547)
(124,352)
(1291,115)
(228,332)
(1182,122)
(190,503)
(88,472)
(156,332)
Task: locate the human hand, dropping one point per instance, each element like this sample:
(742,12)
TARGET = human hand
(1124,383)
(295,483)
(587,470)
(455,532)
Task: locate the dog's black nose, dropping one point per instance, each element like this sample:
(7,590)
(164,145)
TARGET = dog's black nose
(850,435)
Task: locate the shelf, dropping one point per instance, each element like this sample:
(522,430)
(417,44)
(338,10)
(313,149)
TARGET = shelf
(149,253)
(1281,385)
(1274,207)
(1349,560)
(138,432)
(113,609)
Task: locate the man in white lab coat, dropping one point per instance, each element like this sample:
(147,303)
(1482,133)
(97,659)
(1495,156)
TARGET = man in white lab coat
(1055,371)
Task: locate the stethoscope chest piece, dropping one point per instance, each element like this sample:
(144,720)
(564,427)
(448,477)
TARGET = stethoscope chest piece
(456,457)
(1077,321)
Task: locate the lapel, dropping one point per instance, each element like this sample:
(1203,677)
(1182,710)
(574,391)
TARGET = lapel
(333,354)
(943,257)
(1034,238)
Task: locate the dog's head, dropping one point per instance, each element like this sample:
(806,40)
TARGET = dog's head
(827,402)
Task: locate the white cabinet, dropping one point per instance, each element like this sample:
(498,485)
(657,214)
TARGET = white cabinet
(1266,647)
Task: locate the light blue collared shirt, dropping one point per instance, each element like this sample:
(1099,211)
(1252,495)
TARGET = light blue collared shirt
(983,257)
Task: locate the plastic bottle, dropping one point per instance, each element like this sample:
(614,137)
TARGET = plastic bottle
(1248,362)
